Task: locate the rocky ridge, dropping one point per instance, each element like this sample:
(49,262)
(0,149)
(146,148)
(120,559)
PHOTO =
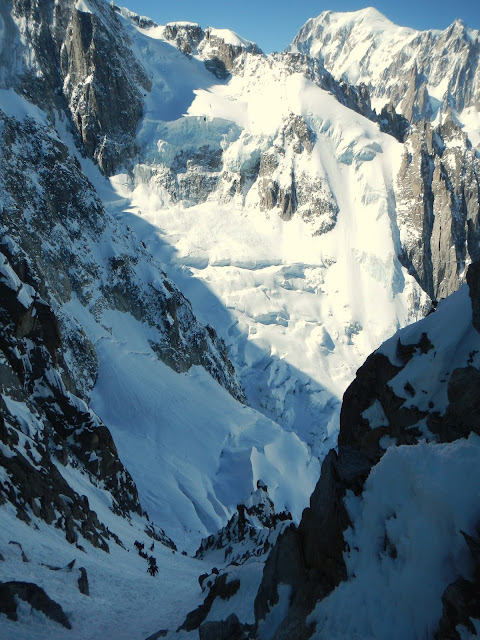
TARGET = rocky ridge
(66,64)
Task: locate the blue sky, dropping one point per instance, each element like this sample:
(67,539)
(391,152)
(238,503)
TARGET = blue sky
(273,24)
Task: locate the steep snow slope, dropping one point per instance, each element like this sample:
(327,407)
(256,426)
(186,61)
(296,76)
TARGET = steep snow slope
(300,293)
(116,324)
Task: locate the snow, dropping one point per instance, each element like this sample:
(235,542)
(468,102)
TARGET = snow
(8,275)
(420,498)
(15,106)
(125,602)
(83,6)
(454,339)
(471,118)
(230,37)
(298,313)
(28,422)
(242,605)
(375,414)
(194,452)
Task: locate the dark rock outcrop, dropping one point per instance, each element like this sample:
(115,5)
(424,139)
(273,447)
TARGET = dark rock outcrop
(229,629)
(224,55)
(35,596)
(158,634)
(473,281)
(83,582)
(220,589)
(439,206)
(393,123)
(185,36)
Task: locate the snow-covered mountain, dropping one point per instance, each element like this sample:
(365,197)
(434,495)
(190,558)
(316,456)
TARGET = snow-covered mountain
(200,245)
(421,73)
(424,77)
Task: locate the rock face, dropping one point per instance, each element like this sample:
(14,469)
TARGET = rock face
(439,206)
(35,596)
(80,61)
(384,406)
(42,423)
(282,186)
(186,37)
(243,544)
(473,280)
(229,629)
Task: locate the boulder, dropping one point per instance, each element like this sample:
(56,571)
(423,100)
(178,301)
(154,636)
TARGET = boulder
(35,596)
